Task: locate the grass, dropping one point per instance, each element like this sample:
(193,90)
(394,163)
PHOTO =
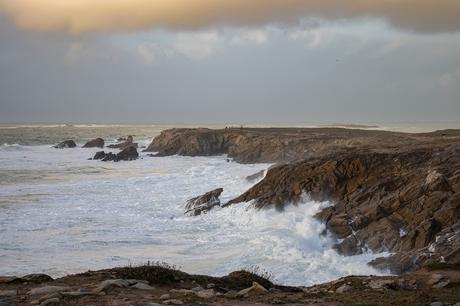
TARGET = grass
(161,273)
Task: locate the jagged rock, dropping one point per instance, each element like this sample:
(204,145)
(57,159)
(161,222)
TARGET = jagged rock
(66,144)
(203,203)
(126,144)
(95,143)
(99,155)
(376,197)
(130,153)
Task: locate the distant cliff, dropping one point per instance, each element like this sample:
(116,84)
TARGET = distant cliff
(269,145)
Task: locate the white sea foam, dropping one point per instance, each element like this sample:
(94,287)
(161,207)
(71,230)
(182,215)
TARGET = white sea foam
(61,213)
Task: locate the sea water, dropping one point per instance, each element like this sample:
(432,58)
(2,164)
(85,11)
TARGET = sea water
(61,213)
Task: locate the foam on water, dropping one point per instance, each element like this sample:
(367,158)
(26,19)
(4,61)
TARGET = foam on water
(61,213)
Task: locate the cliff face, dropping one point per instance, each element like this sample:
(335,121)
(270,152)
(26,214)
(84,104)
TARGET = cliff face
(288,144)
(398,202)
(393,192)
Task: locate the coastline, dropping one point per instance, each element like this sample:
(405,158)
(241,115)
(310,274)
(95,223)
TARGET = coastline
(364,167)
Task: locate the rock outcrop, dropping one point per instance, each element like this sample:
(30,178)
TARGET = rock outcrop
(269,145)
(160,285)
(390,191)
(398,202)
(95,143)
(127,154)
(203,203)
(66,144)
(125,144)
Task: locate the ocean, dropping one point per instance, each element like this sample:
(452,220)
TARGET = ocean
(62,213)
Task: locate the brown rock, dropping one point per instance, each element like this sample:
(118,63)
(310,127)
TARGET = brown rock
(95,143)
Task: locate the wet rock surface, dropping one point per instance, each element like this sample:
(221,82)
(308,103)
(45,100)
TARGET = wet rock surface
(95,143)
(127,154)
(390,191)
(399,202)
(203,203)
(129,142)
(66,144)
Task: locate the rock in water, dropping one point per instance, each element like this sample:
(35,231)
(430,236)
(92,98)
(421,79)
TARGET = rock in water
(130,153)
(95,143)
(203,203)
(99,155)
(123,145)
(66,144)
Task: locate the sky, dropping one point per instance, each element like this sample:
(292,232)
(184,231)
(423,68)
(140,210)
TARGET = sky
(229,61)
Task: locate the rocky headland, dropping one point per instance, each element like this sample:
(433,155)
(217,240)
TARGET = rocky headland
(390,191)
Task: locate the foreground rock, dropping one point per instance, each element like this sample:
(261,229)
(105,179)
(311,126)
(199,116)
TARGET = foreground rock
(125,144)
(66,144)
(161,285)
(127,154)
(95,143)
(399,202)
(203,203)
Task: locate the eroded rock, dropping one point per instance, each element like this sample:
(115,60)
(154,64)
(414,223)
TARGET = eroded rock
(128,154)
(66,144)
(203,203)
(95,143)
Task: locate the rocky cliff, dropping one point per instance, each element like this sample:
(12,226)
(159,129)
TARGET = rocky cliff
(396,202)
(269,145)
(392,192)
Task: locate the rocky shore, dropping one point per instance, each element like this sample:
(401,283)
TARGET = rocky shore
(153,285)
(391,192)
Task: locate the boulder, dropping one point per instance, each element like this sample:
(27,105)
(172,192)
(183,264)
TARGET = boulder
(127,154)
(99,155)
(95,143)
(125,144)
(66,144)
(203,203)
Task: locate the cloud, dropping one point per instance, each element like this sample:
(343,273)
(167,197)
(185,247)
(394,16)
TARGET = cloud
(82,16)
(198,45)
(249,37)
